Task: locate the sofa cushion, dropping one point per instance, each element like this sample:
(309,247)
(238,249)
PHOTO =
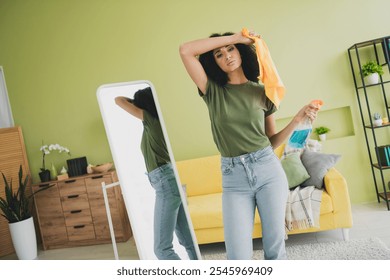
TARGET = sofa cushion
(317,165)
(206,210)
(279,150)
(201,175)
(295,171)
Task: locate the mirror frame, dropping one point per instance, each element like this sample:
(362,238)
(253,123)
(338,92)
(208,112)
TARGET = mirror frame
(145,251)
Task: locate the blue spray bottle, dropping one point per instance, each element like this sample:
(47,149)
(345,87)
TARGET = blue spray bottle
(300,135)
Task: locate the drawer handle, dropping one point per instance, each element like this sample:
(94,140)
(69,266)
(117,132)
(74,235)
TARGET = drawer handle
(70,181)
(44,185)
(75,211)
(79,226)
(73,196)
(97,177)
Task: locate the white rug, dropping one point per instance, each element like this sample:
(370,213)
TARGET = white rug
(354,249)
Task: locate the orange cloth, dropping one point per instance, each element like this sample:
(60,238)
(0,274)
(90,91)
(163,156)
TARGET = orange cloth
(274,88)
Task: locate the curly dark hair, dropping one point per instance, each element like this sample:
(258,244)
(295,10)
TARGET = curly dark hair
(143,99)
(250,65)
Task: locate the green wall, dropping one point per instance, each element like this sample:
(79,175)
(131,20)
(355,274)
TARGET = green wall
(55,55)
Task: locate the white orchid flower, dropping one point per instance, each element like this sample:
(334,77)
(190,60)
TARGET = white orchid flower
(45,149)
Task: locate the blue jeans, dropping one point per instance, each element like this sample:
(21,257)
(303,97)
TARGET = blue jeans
(169,215)
(254,180)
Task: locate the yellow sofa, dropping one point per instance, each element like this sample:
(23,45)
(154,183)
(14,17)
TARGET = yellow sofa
(203,180)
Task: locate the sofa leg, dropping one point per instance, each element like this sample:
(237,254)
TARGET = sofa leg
(345,232)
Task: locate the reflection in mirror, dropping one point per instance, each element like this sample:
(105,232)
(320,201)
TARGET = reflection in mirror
(142,155)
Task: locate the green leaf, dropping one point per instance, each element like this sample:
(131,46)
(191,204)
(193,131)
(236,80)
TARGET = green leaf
(16,205)
(371,67)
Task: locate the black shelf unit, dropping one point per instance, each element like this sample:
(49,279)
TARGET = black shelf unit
(356,53)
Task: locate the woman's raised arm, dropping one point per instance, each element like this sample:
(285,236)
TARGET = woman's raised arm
(190,51)
(129,107)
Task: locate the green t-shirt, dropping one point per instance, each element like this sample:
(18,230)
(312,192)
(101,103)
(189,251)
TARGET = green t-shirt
(153,146)
(237,114)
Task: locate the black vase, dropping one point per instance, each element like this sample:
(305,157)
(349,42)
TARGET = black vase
(77,166)
(45,175)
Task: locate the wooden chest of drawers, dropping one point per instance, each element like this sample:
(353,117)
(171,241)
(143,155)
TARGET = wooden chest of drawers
(72,212)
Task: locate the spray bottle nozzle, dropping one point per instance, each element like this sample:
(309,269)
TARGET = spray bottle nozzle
(317,102)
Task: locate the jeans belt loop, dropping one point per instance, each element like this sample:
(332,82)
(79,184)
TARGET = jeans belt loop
(252,156)
(162,168)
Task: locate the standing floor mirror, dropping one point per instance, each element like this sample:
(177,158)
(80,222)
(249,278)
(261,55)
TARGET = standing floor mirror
(124,133)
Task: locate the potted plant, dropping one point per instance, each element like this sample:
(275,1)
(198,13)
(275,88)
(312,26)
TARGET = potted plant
(371,71)
(321,132)
(16,208)
(46,174)
(377,119)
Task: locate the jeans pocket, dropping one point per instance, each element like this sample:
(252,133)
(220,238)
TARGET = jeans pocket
(226,169)
(174,188)
(154,180)
(266,158)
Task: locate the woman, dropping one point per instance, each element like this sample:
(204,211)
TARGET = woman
(244,131)
(169,215)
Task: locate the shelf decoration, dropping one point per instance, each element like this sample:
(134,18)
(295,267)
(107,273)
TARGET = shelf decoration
(46,174)
(371,71)
(321,132)
(377,119)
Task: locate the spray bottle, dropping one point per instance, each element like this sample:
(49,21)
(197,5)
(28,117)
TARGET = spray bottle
(301,134)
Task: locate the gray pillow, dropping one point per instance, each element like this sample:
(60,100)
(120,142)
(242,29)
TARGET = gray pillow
(295,171)
(317,165)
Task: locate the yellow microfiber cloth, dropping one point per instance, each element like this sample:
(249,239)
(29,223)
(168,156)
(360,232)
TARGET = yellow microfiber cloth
(274,88)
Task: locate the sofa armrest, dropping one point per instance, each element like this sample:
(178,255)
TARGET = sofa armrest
(337,188)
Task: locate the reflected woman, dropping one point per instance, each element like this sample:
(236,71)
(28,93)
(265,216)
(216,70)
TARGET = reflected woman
(169,215)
